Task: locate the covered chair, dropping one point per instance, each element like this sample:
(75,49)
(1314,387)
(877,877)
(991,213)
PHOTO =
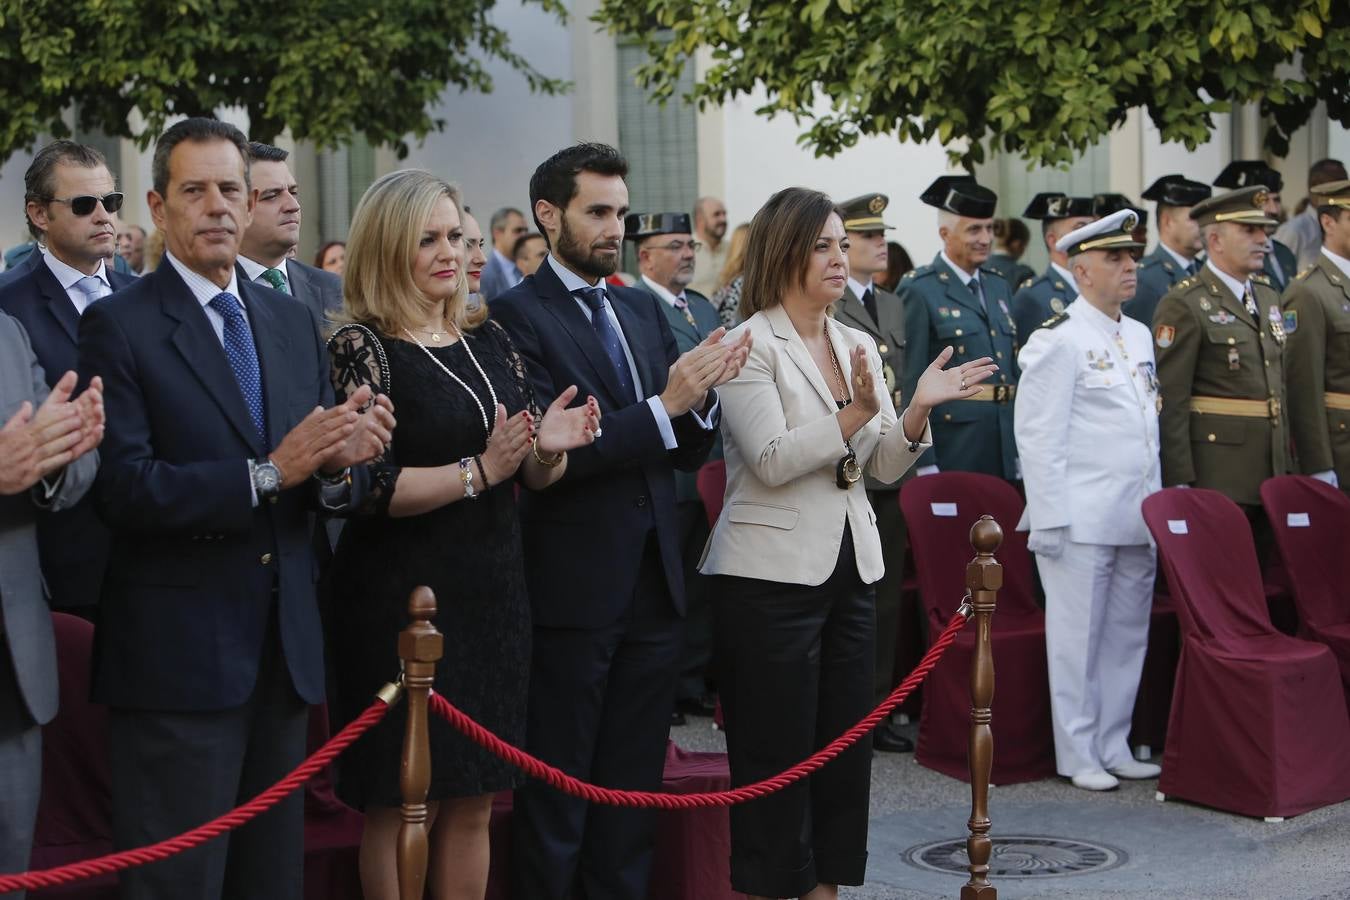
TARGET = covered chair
(1311,521)
(712,488)
(939,511)
(1257,716)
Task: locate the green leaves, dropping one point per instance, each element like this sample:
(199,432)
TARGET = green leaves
(1041,80)
(327,69)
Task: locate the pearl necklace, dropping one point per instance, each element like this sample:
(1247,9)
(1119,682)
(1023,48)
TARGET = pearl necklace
(487,426)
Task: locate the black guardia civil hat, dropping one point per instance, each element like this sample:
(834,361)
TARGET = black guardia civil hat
(640,225)
(1115,232)
(1241,173)
(962,195)
(1105,204)
(864,213)
(1246,206)
(1049,205)
(1177,190)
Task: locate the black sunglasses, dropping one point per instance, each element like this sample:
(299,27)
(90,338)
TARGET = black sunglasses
(84,204)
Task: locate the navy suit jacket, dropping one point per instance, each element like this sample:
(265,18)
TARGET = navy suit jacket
(72,543)
(584,536)
(196,569)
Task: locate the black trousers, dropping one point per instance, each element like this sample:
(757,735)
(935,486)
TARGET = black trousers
(692,521)
(599,709)
(172,771)
(795,664)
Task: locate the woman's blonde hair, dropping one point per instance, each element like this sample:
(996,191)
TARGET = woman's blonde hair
(778,250)
(735,263)
(377,287)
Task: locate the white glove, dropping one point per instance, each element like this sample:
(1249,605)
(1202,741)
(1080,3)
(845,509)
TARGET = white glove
(1047,542)
(1329,476)
(925,470)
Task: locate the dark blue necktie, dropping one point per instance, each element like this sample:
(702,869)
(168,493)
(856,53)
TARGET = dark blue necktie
(594,298)
(243,357)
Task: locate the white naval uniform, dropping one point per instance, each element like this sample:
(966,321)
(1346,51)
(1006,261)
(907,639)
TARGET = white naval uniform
(1086,424)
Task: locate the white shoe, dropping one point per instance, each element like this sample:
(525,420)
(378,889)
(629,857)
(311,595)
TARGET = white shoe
(1095,781)
(1135,770)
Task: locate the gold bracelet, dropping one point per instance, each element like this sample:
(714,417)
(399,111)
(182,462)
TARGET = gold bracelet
(550,464)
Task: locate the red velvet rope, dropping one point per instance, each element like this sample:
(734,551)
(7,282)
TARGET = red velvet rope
(562,781)
(113,862)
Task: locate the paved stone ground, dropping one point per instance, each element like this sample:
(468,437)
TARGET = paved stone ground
(1175,850)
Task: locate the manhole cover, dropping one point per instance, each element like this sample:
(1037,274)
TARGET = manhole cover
(1021,856)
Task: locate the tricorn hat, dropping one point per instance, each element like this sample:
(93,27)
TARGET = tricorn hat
(962,195)
(1177,190)
(640,225)
(1049,205)
(1241,173)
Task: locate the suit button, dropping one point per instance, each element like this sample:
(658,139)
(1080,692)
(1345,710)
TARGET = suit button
(998,354)
(265,559)
(641,501)
(882,348)
(958,332)
(946,417)
(991,333)
(1267,364)
(1232,340)
(1212,438)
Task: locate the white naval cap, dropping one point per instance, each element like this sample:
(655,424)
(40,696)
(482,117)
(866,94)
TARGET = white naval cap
(1113,232)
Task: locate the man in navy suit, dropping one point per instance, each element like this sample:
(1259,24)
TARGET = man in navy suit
(501,273)
(605,571)
(67,274)
(218,448)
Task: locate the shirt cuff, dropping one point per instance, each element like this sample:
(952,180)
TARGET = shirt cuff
(335,495)
(45,491)
(663,423)
(710,422)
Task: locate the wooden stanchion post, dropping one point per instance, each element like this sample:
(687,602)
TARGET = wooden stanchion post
(419,646)
(984,576)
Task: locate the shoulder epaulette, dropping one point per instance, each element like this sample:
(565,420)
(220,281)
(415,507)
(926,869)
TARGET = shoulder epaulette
(1056,320)
(1028,283)
(990,270)
(1260,279)
(920,272)
(1306,272)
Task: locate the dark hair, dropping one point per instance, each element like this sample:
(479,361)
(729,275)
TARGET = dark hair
(1325,170)
(198,130)
(778,251)
(556,178)
(260,152)
(1012,229)
(323,251)
(898,262)
(39,181)
(524,239)
(498,220)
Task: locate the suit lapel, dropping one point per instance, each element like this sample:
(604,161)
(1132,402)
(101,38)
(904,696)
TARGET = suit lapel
(563,306)
(58,302)
(850,309)
(631,324)
(957,291)
(273,345)
(1334,274)
(797,352)
(196,340)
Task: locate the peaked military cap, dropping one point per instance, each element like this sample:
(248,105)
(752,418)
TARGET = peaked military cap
(1049,205)
(962,195)
(1115,232)
(640,225)
(864,213)
(1332,193)
(1245,206)
(1105,204)
(1177,190)
(1241,173)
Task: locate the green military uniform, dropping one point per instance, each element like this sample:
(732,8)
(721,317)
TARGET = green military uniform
(1159,271)
(1281,264)
(1317,320)
(1012,271)
(1221,374)
(1040,298)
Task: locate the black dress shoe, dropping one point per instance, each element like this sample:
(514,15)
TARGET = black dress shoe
(677,719)
(697,706)
(886,739)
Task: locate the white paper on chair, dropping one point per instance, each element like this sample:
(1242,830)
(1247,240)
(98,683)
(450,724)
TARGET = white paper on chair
(944,510)
(1177,526)
(1298,520)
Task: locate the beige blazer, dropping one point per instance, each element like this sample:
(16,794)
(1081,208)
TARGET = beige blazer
(783,516)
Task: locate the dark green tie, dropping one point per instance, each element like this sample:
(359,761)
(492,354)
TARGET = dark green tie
(276,279)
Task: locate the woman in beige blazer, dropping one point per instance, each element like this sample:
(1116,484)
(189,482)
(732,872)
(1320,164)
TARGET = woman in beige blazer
(796,549)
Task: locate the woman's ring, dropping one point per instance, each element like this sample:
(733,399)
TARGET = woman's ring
(596,432)
(963,384)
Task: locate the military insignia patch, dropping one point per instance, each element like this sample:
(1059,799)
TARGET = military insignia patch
(1150,373)
(1205,304)
(1003,306)
(1168,266)
(942,276)
(1057,304)
(1290,321)
(1223,317)
(956,314)
(944,312)
(1164,335)
(1101,365)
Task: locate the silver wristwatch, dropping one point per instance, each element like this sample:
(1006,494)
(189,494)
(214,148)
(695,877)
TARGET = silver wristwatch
(266,477)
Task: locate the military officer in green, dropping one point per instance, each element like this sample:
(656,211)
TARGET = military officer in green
(879,313)
(1220,348)
(1179,244)
(1317,320)
(1040,298)
(957,301)
(666,251)
(1281,264)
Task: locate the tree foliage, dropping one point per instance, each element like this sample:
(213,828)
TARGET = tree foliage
(327,69)
(1041,79)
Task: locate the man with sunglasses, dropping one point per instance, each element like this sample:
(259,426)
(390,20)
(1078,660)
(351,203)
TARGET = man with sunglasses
(70,202)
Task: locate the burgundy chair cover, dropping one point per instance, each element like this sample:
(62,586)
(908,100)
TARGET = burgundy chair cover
(75,812)
(1153,703)
(939,511)
(1258,717)
(1311,521)
(712,488)
(693,846)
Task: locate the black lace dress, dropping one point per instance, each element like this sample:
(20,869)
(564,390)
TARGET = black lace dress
(468,552)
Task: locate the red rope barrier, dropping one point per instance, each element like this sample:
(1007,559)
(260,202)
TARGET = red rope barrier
(559,779)
(113,862)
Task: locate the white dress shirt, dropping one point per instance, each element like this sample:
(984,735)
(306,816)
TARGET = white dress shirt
(1238,288)
(1340,261)
(664,294)
(205,290)
(1180,260)
(255,271)
(858,288)
(68,277)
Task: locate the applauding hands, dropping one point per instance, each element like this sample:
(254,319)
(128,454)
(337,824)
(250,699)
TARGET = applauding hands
(33,445)
(330,440)
(701,369)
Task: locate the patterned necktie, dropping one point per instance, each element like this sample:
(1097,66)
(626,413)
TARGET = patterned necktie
(243,357)
(869,301)
(594,298)
(277,279)
(683,306)
(1250,302)
(93,287)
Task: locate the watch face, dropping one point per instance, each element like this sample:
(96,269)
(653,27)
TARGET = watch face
(266,477)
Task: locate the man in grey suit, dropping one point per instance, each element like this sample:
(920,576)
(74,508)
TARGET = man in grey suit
(501,274)
(47,461)
(666,254)
(264,252)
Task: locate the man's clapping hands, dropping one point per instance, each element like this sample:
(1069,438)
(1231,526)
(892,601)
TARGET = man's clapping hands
(33,445)
(329,440)
(701,369)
